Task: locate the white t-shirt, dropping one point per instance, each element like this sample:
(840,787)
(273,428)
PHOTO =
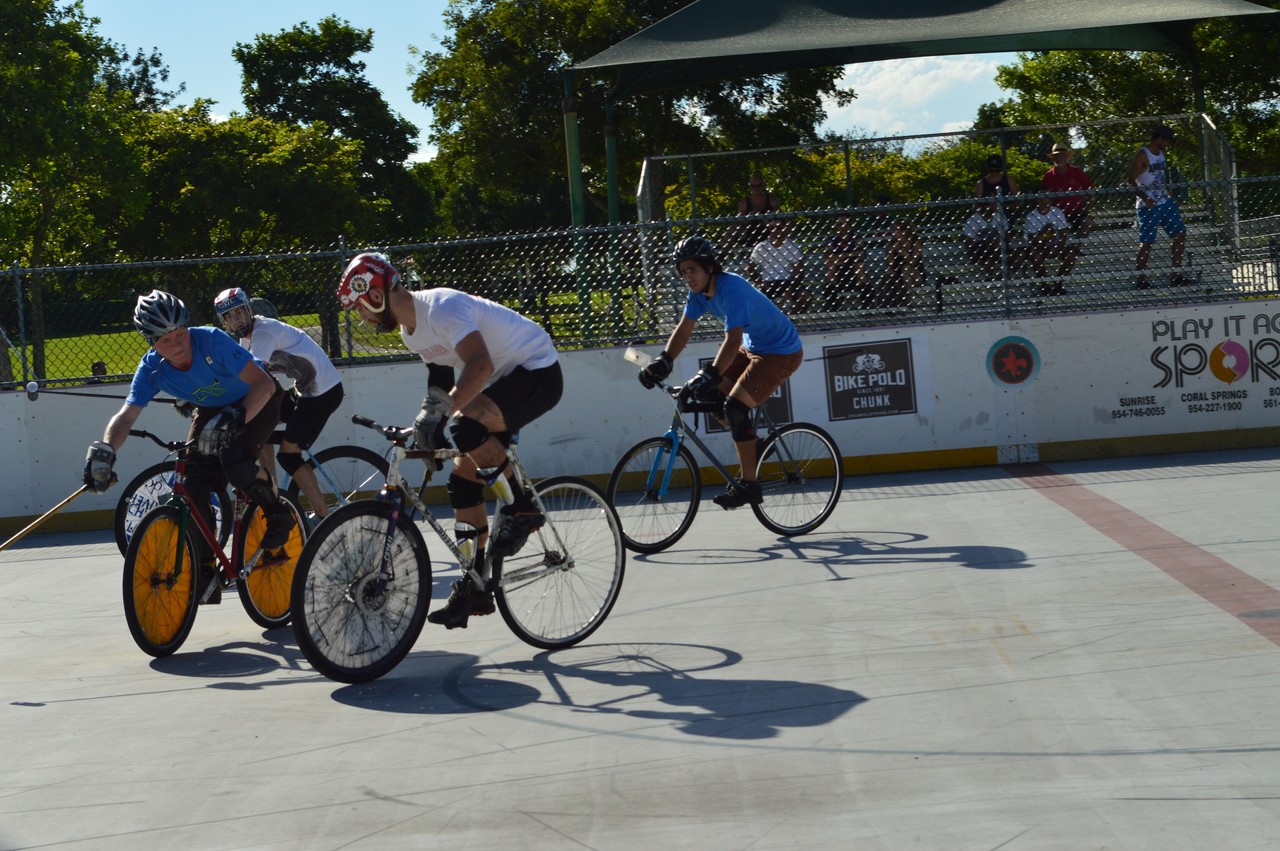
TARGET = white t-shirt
(981,229)
(291,351)
(443,317)
(1154,180)
(776,262)
(1036,220)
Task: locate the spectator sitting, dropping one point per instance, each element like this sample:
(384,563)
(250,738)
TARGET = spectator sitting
(996,181)
(97,372)
(1064,177)
(983,234)
(905,265)
(776,267)
(1046,228)
(843,261)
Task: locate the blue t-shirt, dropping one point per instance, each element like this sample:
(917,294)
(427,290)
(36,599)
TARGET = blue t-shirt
(212,381)
(766,330)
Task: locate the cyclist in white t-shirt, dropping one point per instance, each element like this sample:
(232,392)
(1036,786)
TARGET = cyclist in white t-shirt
(317,386)
(508,374)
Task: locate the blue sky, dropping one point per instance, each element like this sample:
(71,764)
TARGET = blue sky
(903,97)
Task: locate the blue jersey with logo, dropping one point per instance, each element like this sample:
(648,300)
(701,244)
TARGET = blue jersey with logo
(766,330)
(213,381)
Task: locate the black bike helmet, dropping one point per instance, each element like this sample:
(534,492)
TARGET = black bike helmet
(157,313)
(694,248)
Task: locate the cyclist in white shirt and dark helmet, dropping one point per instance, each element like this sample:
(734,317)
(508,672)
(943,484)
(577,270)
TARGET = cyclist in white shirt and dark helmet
(237,406)
(317,386)
(508,375)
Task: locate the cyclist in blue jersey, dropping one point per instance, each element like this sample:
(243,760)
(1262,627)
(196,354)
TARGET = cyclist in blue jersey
(237,407)
(761,348)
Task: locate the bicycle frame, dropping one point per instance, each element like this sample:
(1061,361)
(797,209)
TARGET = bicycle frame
(397,491)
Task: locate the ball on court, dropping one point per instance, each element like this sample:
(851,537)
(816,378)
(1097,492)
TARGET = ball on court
(32,387)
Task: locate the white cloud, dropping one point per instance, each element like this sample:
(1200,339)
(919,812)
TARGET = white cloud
(931,94)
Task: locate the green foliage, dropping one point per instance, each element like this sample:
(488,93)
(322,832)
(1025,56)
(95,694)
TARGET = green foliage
(496,95)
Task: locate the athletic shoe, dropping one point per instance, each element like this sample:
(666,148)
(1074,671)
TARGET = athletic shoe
(738,494)
(464,601)
(279,525)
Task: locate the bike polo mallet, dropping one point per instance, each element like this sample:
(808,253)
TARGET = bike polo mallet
(43,517)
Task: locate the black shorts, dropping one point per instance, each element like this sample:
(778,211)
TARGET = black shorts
(304,417)
(526,394)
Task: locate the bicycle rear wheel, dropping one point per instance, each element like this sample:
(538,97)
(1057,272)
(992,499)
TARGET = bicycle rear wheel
(144,493)
(159,587)
(655,507)
(265,592)
(801,474)
(347,473)
(352,625)
(561,586)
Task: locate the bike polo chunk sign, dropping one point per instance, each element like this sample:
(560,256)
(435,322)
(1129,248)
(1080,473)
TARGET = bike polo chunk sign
(870,380)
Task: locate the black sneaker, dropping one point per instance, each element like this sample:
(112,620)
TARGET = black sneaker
(514,528)
(464,601)
(738,494)
(1140,283)
(279,525)
(1180,280)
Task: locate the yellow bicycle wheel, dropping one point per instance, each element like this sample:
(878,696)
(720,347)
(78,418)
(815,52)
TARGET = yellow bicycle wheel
(159,582)
(265,591)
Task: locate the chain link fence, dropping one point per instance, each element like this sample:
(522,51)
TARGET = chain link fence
(830,267)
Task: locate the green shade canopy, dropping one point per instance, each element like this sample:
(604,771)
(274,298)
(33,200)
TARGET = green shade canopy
(725,39)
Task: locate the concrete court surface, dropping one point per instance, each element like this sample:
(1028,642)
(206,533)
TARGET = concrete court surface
(1075,656)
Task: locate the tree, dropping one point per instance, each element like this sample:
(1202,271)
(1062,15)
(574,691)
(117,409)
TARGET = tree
(311,77)
(496,97)
(1236,65)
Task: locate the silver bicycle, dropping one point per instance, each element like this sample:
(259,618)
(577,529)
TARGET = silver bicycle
(362,587)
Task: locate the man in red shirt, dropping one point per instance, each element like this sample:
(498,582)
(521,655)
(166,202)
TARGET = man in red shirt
(1064,177)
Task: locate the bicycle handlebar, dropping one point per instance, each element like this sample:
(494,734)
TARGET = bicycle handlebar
(171,445)
(400,437)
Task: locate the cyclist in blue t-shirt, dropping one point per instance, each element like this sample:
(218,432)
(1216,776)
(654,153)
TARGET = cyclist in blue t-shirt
(761,349)
(236,408)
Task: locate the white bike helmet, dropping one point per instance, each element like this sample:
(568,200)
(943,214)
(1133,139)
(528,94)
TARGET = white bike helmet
(157,313)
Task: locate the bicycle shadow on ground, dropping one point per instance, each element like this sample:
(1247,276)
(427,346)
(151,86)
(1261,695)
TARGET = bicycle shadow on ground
(834,550)
(656,682)
(651,682)
(236,660)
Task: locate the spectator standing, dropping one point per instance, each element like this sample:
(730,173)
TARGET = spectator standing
(846,273)
(760,202)
(1046,228)
(983,234)
(905,269)
(777,267)
(1156,209)
(996,181)
(1064,177)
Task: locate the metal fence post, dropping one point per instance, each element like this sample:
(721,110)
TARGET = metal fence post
(22,323)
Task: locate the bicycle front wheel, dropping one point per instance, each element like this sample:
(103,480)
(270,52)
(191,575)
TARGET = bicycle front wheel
(561,586)
(801,475)
(655,494)
(352,622)
(144,493)
(344,474)
(265,592)
(159,582)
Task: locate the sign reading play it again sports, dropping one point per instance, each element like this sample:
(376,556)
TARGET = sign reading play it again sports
(875,379)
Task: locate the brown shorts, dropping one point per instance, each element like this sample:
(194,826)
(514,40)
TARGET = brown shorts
(759,375)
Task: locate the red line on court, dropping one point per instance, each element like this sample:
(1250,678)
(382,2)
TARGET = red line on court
(1220,582)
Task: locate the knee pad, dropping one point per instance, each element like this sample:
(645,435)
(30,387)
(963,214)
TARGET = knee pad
(291,462)
(464,493)
(741,424)
(241,472)
(467,434)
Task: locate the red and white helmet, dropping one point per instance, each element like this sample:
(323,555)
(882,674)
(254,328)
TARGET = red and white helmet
(365,272)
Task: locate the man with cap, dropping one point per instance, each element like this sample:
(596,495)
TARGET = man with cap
(1064,177)
(996,181)
(1155,207)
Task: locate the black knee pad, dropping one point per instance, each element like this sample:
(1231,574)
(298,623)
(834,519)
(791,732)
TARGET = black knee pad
(291,462)
(741,424)
(467,434)
(464,493)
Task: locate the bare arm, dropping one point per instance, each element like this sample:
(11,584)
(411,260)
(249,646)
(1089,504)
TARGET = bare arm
(477,369)
(261,387)
(117,431)
(728,349)
(680,337)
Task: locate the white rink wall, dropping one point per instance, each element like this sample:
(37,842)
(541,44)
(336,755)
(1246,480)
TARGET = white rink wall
(1005,391)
